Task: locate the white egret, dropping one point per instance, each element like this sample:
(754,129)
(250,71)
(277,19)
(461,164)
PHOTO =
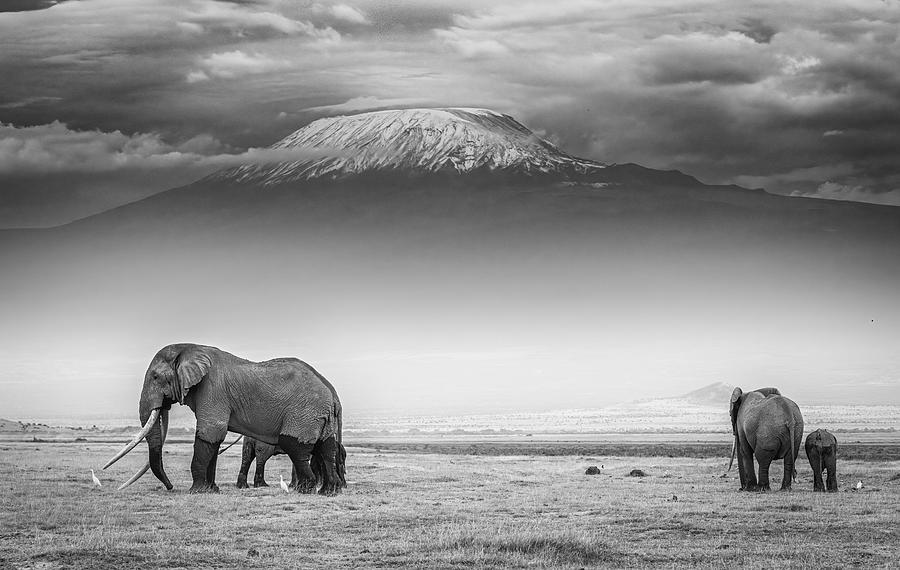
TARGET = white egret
(95,479)
(284,486)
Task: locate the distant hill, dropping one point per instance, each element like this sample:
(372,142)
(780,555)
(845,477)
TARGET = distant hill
(716,394)
(9,425)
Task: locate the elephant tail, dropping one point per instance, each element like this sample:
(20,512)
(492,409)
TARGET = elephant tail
(224,449)
(340,460)
(795,450)
(731,461)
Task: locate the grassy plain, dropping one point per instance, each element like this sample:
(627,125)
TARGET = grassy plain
(439,510)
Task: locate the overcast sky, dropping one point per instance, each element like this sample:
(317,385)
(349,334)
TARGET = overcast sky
(104,101)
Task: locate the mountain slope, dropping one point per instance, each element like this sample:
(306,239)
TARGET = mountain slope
(414,281)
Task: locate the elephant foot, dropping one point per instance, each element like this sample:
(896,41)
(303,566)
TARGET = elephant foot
(204,488)
(260,484)
(330,490)
(242,485)
(306,486)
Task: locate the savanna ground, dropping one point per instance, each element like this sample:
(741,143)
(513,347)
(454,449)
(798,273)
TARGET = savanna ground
(407,508)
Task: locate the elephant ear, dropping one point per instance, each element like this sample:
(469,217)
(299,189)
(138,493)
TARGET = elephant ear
(191,367)
(733,408)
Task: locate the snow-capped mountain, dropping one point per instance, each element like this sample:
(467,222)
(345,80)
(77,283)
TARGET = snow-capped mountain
(414,142)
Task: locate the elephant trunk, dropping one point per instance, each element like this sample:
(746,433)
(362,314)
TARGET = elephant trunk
(155,439)
(164,418)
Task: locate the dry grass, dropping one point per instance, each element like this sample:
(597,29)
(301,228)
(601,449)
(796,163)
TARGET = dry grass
(440,511)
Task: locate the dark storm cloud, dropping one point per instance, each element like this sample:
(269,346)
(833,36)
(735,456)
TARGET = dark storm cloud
(757,30)
(85,172)
(27,5)
(712,89)
(758,93)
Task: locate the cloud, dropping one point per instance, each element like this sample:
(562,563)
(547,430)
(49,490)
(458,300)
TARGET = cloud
(808,174)
(241,19)
(471,47)
(232,64)
(349,14)
(365,103)
(716,89)
(27,5)
(55,148)
(29,101)
(757,30)
(196,76)
(834,191)
(726,59)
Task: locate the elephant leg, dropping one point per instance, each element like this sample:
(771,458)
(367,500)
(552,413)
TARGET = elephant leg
(299,454)
(763,482)
(788,476)
(831,465)
(331,483)
(317,464)
(203,464)
(745,465)
(815,461)
(259,480)
(248,454)
(211,468)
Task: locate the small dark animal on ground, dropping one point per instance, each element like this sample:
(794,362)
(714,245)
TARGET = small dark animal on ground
(637,473)
(592,470)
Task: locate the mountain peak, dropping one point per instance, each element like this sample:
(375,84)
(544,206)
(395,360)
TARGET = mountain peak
(414,142)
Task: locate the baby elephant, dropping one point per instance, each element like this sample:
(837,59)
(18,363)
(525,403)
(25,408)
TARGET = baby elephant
(261,452)
(821,450)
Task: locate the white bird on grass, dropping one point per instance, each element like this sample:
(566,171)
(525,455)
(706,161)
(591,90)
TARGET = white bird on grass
(96,481)
(858,485)
(284,486)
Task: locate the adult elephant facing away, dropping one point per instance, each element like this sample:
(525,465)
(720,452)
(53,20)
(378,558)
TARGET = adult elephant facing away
(768,426)
(282,402)
(821,450)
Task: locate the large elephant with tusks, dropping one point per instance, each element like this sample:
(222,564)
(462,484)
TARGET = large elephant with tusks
(282,402)
(768,426)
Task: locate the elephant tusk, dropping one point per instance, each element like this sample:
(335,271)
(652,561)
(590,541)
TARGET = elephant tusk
(134,477)
(731,462)
(140,473)
(154,415)
(224,449)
